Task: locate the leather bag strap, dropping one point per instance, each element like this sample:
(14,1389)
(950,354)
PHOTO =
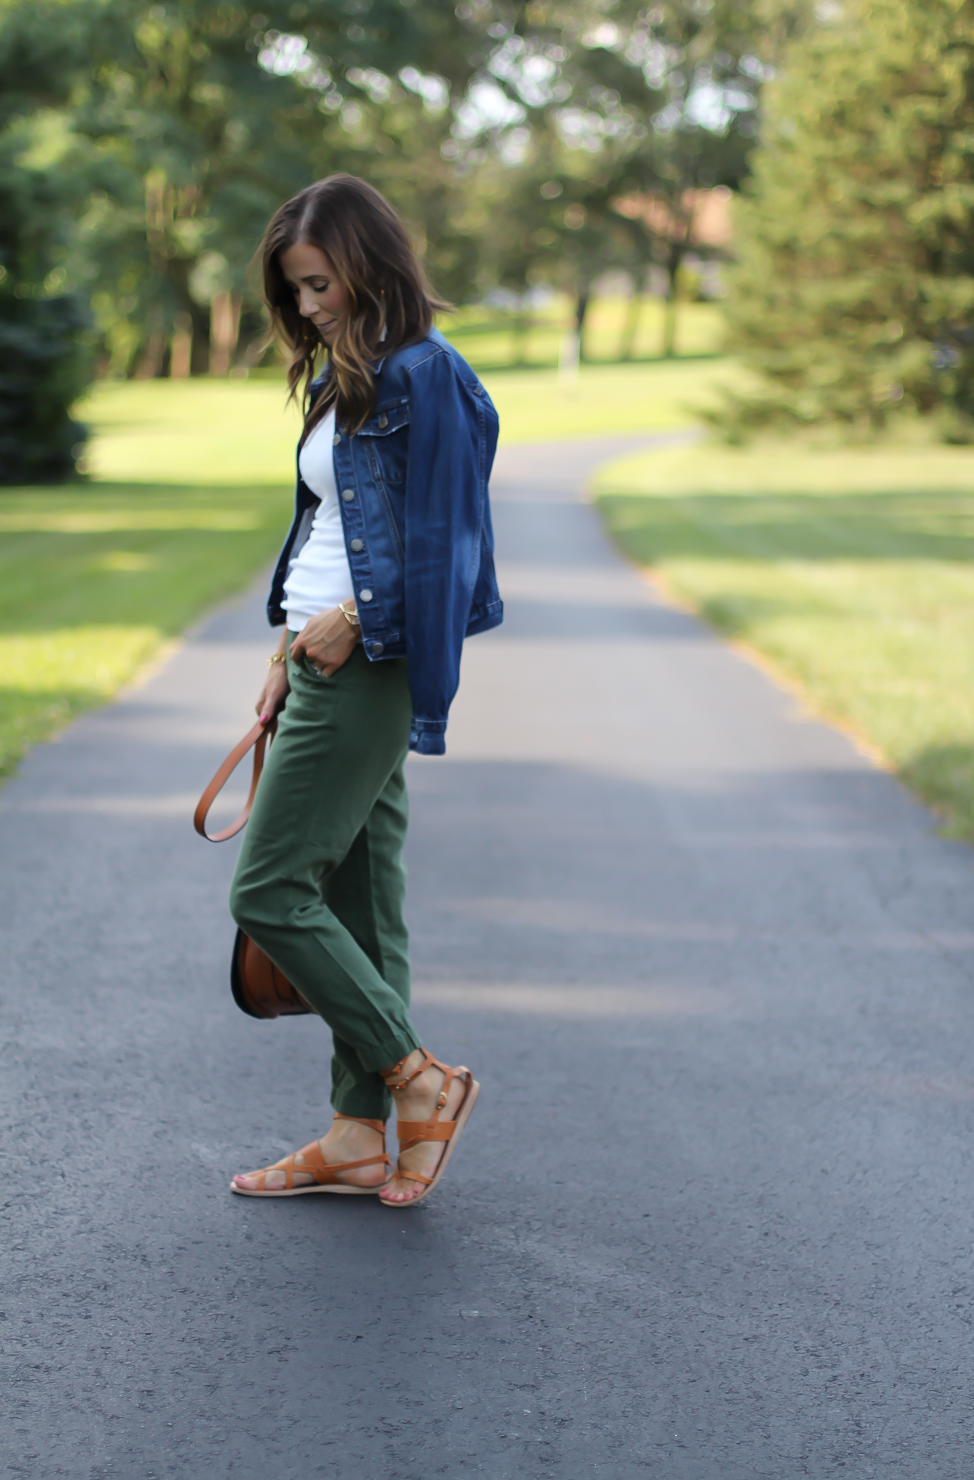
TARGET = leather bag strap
(256,738)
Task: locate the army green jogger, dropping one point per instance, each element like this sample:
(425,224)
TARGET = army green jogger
(319,883)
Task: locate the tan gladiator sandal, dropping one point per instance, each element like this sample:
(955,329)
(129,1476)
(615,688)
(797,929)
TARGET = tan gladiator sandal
(414,1132)
(325,1173)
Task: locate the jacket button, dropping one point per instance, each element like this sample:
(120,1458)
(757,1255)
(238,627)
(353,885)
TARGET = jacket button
(357,545)
(336,439)
(377,648)
(383,420)
(365,595)
(348,494)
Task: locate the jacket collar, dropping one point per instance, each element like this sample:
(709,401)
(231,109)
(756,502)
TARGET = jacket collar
(319,380)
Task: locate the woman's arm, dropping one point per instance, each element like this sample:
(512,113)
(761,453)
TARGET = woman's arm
(276,687)
(446,479)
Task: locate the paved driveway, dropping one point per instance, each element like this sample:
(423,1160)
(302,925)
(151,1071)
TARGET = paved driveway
(712,1220)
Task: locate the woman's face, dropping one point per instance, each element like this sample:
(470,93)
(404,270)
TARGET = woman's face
(318,294)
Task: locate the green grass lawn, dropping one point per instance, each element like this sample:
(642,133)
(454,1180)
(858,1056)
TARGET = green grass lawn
(188,495)
(490,338)
(536,406)
(850,570)
(94,580)
(240,431)
(192,433)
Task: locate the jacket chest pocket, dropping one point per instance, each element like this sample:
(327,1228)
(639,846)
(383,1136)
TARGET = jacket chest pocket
(386,438)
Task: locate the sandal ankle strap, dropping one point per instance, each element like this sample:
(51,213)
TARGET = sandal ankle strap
(413,1132)
(393,1083)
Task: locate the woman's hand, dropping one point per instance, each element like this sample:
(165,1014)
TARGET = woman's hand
(327,641)
(273,694)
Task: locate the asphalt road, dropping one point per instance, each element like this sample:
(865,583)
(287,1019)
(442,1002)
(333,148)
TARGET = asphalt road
(712,1218)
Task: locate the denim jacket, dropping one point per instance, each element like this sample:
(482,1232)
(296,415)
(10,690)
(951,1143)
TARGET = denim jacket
(412,489)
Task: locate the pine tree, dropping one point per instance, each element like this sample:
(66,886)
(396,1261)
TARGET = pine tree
(853,296)
(44,358)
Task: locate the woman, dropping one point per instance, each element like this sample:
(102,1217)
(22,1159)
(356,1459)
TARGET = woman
(388,566)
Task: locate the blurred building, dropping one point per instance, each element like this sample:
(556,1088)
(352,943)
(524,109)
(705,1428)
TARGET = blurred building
(700,220)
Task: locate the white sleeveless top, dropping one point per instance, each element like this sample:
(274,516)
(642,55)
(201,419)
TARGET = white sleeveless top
(319,577)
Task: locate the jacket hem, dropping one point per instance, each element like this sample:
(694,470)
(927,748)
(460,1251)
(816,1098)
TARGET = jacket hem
(426,743)
(483,618)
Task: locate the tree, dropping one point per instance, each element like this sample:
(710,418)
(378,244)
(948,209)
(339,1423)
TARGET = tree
(513,136)
(647,109)
(202,118)
(192,148)
(396,133)
(853,299)
(687,74)
(45,362)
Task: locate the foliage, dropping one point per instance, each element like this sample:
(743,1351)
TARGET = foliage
(854,293)
(44,359)
(515,140)
(851,570)
(620,107)
(193,119)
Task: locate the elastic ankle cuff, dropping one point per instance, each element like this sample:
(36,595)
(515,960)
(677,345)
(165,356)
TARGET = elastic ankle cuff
(390,1052)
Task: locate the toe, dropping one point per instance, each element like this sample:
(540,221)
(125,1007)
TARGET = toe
(402,1193)
(250,1181)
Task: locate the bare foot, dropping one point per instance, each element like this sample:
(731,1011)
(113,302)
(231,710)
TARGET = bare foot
(348,1140)
(417,1102)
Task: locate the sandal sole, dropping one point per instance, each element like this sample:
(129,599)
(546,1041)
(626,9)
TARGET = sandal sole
(300,1191)
(462,1116)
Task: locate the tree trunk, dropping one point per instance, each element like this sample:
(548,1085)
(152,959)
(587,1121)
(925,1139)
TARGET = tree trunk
(677,249)
(182,347)
(522,325)
(151,364)
(631,326)
(224,331)
(581,309)
(199,359)
(670,310)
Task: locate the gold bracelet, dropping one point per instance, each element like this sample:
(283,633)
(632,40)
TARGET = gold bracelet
(352,618)
(277,658)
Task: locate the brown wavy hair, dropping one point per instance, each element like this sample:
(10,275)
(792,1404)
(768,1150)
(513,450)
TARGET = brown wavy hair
(369,248)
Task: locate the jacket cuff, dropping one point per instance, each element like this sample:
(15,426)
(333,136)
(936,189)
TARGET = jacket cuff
(427,736)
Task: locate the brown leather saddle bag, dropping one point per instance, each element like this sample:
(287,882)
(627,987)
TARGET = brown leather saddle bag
(259,987)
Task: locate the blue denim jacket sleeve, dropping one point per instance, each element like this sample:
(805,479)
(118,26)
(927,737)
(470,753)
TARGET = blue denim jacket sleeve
(446,489)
